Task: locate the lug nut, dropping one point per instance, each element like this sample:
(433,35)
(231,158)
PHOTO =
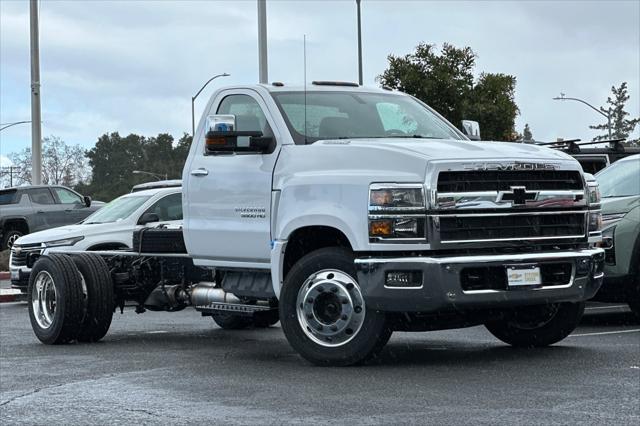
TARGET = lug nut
(349,286)
(348,331)
(357,309)
(344,300)
(310,300)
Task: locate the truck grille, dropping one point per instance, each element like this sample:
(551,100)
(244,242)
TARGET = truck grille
(514,226)
(19,257)
(502,180)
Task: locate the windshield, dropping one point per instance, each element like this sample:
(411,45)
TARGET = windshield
(118,209)
(620,179)
(342,115)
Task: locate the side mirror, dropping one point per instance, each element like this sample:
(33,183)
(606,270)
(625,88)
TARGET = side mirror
(471,129)
(148,218)
(87,201)
(221,137)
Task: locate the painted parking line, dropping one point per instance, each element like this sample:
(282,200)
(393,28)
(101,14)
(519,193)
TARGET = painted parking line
(635,330)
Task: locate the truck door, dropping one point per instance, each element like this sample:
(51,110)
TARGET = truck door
(228,201)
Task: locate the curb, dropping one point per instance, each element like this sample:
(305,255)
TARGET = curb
(11,295)
(5,276)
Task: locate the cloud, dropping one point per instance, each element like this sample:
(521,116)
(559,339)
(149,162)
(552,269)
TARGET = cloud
(133,66)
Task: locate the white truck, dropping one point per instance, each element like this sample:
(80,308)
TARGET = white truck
(347,213)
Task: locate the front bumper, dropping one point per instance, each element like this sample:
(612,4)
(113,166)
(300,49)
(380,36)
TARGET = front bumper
(442,284)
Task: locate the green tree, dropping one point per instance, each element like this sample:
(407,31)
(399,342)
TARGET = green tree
(444,79)
(527,135)
(621,126)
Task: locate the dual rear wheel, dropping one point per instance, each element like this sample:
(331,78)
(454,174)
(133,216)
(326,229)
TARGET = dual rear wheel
(71,298)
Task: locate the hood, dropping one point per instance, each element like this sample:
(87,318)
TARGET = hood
(71,231)
(446,149)
(620,204)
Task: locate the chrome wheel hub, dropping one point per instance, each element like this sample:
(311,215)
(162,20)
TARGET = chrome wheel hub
(330,308)
(43,299)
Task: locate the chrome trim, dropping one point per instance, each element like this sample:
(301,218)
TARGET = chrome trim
(547,212)
(493,199)
(490,258)
(377,186)
(563,237)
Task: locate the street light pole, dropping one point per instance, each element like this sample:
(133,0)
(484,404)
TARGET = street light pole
(36,129)
(263,73)
(359,45)
(562,97)
(7,125)
(193,100)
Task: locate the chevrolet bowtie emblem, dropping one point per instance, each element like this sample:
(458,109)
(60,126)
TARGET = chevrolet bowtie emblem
(518,195)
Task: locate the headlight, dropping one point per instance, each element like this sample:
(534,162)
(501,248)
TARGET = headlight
(396,227)
(64,242)
(398,197)
(594,193)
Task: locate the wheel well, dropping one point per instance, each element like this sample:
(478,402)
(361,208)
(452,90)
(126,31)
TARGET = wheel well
(108,246)
(17,224)
(305,240)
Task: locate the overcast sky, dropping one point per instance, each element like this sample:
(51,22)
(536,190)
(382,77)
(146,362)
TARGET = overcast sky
(132,66)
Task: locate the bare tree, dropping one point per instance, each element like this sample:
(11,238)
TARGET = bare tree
(62,164)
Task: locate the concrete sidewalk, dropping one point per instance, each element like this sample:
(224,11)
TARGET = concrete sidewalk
(8,294)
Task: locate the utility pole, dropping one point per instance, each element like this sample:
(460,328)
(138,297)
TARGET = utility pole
(36,129)
(262,42)
(359,45)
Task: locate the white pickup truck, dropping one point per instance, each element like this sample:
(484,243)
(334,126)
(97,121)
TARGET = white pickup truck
(347,213)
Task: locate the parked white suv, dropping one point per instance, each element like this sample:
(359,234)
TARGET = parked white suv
(110,228)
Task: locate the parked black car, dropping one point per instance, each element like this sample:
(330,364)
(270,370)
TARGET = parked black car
(27,209)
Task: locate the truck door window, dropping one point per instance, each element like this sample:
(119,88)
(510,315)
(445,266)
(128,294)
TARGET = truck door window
(41,196)
(67,197)
(249,115)
(168,208)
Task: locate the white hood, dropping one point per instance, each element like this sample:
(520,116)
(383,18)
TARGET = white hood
(71,231)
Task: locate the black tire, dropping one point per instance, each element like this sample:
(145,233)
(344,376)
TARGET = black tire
(9,237)
(364,344)
(266,319)
(538,326)
(229,321)
(99,300)
(66,319)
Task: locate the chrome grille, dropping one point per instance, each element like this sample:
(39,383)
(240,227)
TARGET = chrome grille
(512,226)
(20,254)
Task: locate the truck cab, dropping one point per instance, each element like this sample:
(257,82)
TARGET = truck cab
(365,211)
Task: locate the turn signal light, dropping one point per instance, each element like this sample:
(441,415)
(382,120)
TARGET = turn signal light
(381,228)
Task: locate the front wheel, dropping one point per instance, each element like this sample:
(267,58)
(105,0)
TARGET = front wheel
(323,314)
(537,326)
(9,238)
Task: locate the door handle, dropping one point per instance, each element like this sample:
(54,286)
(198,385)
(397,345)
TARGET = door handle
(39,211)
(199,172)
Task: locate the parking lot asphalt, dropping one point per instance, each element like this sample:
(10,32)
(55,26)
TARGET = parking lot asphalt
(179,368)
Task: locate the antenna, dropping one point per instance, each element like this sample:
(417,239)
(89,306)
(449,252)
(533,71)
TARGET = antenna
(304,87)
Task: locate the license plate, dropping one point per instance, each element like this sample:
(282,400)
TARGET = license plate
(523,275)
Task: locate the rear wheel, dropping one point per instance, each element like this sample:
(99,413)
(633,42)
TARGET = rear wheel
(56,302)
(323,314)
(98,291)
(9,238)
(536,326)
